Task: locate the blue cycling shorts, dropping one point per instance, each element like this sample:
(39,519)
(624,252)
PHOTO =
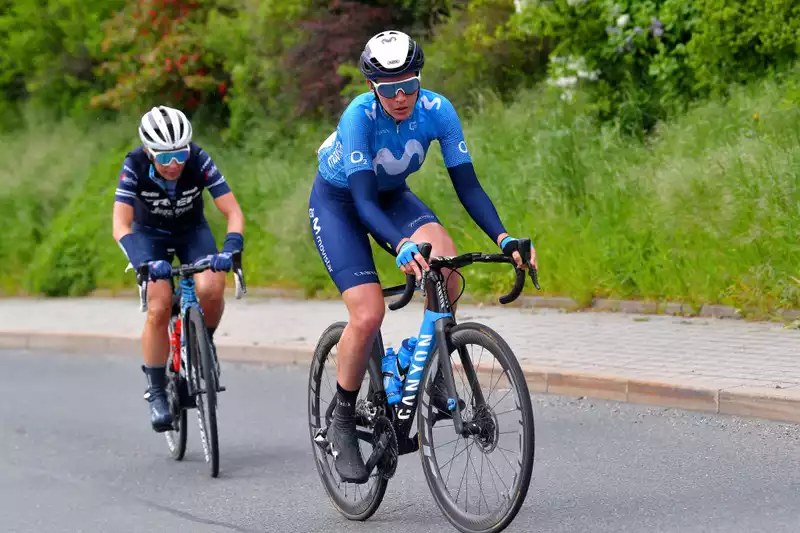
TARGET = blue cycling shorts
(189,245)
(341,238)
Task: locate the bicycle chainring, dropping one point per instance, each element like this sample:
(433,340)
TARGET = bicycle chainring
(387,465)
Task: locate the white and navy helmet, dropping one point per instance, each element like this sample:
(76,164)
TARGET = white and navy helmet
(164,128)
(390,53)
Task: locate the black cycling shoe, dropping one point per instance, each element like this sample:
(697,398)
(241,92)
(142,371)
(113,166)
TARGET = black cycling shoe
(156,395)
(160,415)
(343,443)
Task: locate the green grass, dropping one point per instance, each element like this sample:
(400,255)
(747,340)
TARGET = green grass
(705,211)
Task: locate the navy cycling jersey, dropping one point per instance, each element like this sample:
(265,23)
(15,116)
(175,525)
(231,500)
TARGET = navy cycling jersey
(170,207)
(367,138)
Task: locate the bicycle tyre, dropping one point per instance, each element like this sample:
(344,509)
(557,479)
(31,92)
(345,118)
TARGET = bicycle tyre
(205,379)
(478,335)
(176,439)
(352,510)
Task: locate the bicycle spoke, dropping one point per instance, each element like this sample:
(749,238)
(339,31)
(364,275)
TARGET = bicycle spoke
(505,457)
(509,411)
(449,442)
(462,477)
(495,384)
(491,464)
(504,396)
(491,476)
(450,461)
(479,478)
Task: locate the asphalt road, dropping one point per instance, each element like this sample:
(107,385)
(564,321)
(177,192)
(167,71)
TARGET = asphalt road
(77,454)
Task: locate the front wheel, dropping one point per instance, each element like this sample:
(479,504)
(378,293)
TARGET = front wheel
(204,381)
(480,478)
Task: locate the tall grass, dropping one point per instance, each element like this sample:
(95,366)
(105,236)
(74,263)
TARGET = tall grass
(44,169)
(704,211)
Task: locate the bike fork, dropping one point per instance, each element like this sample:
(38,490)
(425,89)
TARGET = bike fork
(443,326)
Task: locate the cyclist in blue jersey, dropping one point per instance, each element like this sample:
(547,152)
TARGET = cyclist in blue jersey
(158,206)
(360,189)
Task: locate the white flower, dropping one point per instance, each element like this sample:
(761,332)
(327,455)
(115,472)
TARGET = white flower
(623,20)
(563,82)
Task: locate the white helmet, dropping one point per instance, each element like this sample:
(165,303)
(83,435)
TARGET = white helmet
(390,53)
(164,128)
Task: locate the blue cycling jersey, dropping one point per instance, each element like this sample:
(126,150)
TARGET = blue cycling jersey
(371,153)
(367,138)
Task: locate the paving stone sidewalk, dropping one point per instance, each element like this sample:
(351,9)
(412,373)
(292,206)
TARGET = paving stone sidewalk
(719,365)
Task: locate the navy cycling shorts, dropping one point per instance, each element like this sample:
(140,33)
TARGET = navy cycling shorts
(189,245)
(343,240)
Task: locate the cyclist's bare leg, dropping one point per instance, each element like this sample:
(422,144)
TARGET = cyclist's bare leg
(441,244)
(155,349)
(210,287)
(366,308)
(155,340)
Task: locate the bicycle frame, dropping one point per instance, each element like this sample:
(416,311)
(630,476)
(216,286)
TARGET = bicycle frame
(433,334)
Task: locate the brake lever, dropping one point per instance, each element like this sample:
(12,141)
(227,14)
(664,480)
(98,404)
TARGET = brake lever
(534,275)
(525,252)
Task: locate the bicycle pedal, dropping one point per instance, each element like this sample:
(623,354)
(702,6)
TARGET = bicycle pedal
(321,440)
(221,388)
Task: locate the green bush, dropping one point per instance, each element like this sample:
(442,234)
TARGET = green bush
(645,60)
(49,49)
(474,51)
(153,52)
(78,249)
(740,41)
(51,163)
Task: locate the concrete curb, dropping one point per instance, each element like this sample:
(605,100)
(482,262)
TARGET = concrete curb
(760,402)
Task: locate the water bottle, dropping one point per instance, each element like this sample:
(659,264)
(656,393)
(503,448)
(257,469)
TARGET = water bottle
(404,359)
(390,383)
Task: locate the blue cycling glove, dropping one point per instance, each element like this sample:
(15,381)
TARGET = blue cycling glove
(160,270)
(406,253)
(221,262)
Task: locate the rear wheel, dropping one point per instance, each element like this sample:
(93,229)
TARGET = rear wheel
(355,502)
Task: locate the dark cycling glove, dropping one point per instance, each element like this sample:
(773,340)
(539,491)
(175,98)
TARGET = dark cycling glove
(509,245)
(160,270)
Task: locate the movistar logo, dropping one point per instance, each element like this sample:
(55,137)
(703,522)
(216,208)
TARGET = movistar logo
(437,102)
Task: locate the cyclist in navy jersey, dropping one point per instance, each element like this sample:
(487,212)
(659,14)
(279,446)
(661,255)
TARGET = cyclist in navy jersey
(158,206)
(360,189)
